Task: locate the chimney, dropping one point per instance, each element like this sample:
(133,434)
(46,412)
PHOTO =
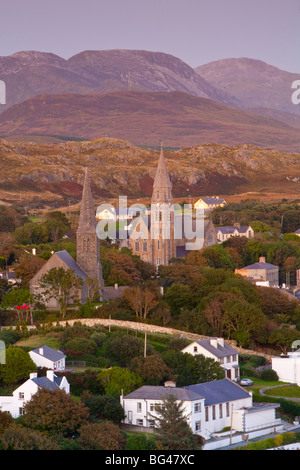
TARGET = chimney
(221,342)
(214,342)
(50,375)
(170,384)
(262,259)
(33,375)
(41,351)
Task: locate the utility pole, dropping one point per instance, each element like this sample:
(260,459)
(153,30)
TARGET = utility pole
(145,346)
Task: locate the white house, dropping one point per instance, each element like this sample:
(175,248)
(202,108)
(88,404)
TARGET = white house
(220,351)
(237,230)
(47,357)
(287,367)
(15,404)
(209,408)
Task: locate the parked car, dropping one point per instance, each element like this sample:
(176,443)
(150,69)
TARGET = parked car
(246,382)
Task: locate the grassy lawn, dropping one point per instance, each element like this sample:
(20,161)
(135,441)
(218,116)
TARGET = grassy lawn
(35,341)
(289,391)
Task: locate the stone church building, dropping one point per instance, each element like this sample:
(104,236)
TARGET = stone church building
(87,264)
(162,235)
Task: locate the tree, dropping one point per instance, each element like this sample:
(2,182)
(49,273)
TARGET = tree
(152,369)
(101,436)
(116,380)
(140,300)
(18,365)
(242,320)
(192,369)
(54,411)
(27,268)
(16,437)
(284,338)
(62,284)
(57,225)
(17,298)
(123,348)
(104,407)
(172,427)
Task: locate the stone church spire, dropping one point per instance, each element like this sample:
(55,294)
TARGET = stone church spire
(162,216)
(87,219)
(88,252)
(162,186)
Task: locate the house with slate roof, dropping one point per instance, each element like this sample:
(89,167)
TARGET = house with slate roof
(47,357)
(261,273)
(236,230)
(209,408)
(209,203)
(15,404)
(220,351)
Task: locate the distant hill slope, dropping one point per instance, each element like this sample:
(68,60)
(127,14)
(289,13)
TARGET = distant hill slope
(32,73)
(51,175)
(253,83)
(144,118)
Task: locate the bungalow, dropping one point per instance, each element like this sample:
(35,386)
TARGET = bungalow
(47,357)
(236,230)
(209,203)
(15,404)
(262,273)
(209,407)
(220,351)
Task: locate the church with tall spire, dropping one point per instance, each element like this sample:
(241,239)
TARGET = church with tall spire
(153,236)
(87,265)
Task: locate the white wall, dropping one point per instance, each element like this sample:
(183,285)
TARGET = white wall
(287,368)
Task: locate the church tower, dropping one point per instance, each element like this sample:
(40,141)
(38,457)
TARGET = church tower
(162,216)
(88,252)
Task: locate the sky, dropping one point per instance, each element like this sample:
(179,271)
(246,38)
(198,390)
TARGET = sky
(195,31)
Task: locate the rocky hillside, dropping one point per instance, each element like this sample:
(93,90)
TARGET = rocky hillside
(52,175)
(146,118)
(32,73)
(253,83)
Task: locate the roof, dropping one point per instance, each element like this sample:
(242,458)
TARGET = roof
(44,382)
(153,392)
(110,292)
(232,228)
(260,265)
(71,263)
(49,353)
(212,200)
(217,391)
(220,351)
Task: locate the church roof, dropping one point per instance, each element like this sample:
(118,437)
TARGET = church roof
(87,218)
(162,186)
(70,262)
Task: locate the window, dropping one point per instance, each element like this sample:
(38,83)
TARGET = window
(214,412)
(195,348)
(197,407)
(222,360)
(234,358)
(220,411)
(130,416)
(158,245)
(155,407)
(139,407)
(158,262)
(137,245)
(21,411)
(140,422)
(151,423)
(198,426)
(21,395)
(227,409)
(145,247)
(206,413)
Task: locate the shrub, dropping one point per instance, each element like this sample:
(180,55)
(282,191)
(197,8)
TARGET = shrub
(269,374)
(85,345)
